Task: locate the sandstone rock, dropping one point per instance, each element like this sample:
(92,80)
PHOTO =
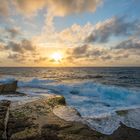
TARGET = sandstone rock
(1,88)
(122,112)
(8,88)
(27,133)
(56,100)
(36,121)
(125,133)
(4,110)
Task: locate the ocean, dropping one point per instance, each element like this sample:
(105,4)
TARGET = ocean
(104,96)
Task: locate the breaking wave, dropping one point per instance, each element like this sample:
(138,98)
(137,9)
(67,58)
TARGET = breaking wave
(103,107)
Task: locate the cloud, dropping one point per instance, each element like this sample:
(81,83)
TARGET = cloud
(2,46)
(106,57)
(21,47)
(123,52)
(23,51)
(13,32)
(121,56)
(23,58)
(132,43)
(76,33)
(57,7)
(88,55)
(28,7)
(89,33)
(8,33)
(16,57)
(4,8)
(65,7)
(116,26)
(80,50)
(40,59)
(126,49)
(86,51)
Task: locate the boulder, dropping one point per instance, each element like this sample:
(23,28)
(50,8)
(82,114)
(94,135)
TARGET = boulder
(1,88)
(55,100)
(8,87)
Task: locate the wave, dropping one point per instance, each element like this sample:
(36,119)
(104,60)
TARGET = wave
(7,80)
(34,83)
(99,93)
(103,107)
(109,123)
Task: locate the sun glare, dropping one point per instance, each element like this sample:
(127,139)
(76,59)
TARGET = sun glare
(56,57)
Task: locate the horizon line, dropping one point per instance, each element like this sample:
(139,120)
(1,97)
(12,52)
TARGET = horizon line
(67,66)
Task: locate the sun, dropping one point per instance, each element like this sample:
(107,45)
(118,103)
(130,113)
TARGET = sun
(57,57)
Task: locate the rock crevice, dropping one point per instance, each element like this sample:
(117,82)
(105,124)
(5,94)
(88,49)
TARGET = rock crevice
(4,116)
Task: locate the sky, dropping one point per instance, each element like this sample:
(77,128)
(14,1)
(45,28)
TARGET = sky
(69,33)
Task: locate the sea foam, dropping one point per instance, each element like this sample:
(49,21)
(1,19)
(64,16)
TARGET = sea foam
(97,103)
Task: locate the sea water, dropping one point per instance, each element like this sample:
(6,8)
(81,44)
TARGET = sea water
(105,97)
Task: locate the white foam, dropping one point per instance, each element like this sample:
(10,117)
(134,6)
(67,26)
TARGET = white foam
(35,83)
(106,125)
(7,80)
(18,100)
(67,113)
(132,118)
(94,101)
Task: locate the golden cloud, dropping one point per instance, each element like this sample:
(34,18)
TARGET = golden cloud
(4,7)
(57,7)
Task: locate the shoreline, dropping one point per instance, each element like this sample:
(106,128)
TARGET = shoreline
(44,114)
(26,117)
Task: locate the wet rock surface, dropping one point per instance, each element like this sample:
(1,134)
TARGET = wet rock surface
(8,88)
(36,121)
